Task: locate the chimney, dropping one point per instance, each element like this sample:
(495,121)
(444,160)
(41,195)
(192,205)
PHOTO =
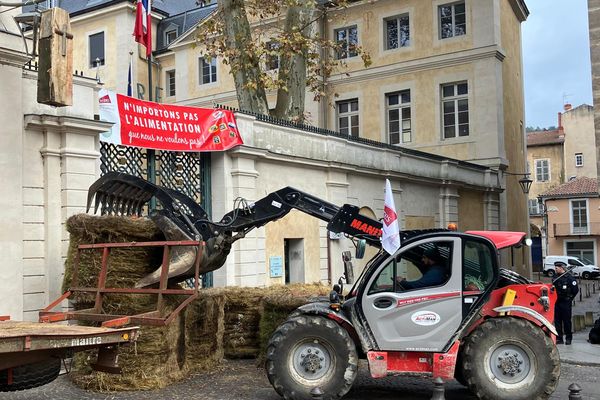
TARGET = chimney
(567,106)
(559,120)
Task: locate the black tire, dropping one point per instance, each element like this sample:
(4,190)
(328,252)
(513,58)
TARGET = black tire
(308,351)
(586,275)
(550,273)
(30,375)
(510,359)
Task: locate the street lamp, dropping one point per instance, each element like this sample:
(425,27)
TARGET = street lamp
(525,183)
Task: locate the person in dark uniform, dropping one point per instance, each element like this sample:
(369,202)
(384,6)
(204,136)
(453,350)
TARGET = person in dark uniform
(566,290)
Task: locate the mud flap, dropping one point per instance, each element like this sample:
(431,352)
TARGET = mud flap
(444,364)
(377,363)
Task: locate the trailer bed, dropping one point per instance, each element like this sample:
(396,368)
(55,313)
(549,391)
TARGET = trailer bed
(21,340)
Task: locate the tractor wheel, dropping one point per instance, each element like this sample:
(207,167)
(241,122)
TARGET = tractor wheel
(586,275)
(510,359)
(551,273)
(30,375)
(307,352)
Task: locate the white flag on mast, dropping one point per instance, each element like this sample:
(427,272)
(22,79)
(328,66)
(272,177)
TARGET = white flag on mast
(390,238)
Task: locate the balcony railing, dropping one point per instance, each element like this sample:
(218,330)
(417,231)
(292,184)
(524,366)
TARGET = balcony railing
(576,230)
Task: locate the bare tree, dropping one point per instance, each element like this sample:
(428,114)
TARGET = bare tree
(254,36)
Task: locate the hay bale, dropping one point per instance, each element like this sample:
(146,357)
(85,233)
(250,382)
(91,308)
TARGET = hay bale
(155,361)
(230,322)
(278,304)
(126,266)
(205,329)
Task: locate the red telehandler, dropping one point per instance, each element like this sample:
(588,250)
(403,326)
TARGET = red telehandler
(484,325)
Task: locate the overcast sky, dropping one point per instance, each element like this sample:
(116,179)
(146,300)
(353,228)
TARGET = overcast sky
(556,56)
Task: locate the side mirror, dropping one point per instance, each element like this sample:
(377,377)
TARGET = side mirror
(361,245)
(348,268)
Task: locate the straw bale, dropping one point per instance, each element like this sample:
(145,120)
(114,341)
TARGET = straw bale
(205,330)
(155,361)
(126,266)
(228,322)
(279,303)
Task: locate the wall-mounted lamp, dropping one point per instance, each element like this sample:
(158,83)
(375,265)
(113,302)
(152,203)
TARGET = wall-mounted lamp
(525,183)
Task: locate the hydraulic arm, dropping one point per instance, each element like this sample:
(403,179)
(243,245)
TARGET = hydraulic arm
(180,217)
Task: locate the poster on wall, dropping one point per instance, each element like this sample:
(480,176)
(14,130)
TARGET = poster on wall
(170,127)
(276,266)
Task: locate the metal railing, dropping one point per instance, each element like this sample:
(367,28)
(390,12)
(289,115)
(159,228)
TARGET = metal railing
(567,229)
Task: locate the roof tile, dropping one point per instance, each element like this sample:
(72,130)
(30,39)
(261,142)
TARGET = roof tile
(578,186)
(540,138)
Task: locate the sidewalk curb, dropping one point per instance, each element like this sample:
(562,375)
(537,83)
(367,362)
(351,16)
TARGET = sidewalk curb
(580,363)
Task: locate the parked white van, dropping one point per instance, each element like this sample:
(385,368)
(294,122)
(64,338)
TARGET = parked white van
(579,267)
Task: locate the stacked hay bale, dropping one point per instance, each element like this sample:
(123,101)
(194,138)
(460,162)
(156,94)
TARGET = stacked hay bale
(231,322)
(157,359)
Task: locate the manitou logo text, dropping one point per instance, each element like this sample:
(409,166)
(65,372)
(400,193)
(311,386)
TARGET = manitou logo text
(90,341)
(366,228)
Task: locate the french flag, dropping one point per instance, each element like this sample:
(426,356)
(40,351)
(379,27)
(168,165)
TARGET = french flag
(143,25)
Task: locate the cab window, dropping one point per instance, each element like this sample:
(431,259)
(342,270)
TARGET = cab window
(478,266)
(574,262)
(423,266)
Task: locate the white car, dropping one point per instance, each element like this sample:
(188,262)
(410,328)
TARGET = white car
(578,267)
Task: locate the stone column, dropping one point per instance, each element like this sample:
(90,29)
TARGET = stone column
(69,150)
(448,206)
(491,210)
(337,193)
(11,175)
(248,254)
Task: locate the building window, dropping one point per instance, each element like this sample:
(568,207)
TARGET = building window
(534,207)
(96,49)
(347,117)
(452,19)
(208,71)
(579,216)
(397,32)
(542,170)
(347,40)
(170,36)
(272,59)
(399,117)
(50,4)
(584,250)
(171,83)
(455,108)
(578,159)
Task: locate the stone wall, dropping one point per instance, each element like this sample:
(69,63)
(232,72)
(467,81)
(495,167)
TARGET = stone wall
(426,192)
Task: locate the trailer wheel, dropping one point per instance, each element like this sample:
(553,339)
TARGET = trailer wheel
(306,352)
(510,359)
(30,375)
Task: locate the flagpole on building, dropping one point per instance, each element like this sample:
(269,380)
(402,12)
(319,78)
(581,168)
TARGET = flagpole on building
(151,164)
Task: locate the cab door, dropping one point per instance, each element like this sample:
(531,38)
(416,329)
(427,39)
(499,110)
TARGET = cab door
(417,319)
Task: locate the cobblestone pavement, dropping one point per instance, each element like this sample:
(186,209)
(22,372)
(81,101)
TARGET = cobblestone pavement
(241,380)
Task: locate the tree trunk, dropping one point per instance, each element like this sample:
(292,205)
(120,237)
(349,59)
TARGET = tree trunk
(245,66)
(292,68)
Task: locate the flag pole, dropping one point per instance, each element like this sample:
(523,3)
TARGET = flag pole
(151,161)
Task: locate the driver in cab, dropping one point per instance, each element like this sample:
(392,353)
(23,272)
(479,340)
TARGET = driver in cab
(433,273)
